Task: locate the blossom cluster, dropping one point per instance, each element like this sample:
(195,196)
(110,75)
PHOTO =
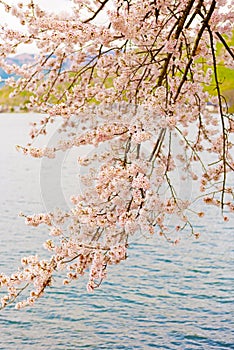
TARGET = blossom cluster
(133,89)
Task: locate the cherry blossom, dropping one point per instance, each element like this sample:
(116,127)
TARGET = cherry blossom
(133,89)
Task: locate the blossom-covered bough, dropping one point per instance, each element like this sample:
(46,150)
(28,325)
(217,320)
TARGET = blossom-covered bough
(135,89)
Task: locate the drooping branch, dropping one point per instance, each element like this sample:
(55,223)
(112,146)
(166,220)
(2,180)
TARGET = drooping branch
(224,136)
(132,91)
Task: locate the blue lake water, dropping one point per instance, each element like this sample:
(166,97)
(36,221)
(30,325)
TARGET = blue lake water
(161,297)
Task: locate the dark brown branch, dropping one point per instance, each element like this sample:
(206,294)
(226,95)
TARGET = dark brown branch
(158,144)
(225,44)
(198,38)
(183,19)
(198,9)
(97,12)
(221,114)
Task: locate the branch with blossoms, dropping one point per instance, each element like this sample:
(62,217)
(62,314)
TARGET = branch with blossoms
(134,90)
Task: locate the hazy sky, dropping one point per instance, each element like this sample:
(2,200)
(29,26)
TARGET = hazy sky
(51,5)
(54,5)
